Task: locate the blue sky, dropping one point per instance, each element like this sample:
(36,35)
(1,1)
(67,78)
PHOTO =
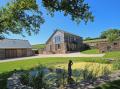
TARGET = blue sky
(106,12)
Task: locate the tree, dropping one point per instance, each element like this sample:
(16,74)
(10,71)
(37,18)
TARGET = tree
(77,9)
(88,38)
(24,15)
(112,37)
(111,34)
(20,15)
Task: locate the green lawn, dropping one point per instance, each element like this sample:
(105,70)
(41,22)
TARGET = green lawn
(115,54)
(38,46)
(91,51)
(27,64)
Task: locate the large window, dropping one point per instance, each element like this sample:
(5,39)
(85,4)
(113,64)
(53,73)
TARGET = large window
(57,40)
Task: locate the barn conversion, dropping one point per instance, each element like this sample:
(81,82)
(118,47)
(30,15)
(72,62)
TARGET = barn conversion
(11,48)
(63,42)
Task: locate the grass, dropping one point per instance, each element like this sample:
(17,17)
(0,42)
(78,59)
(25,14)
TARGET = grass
(95,40)
(114,54)
(82,65)
(8,68)
(27,64)
(91,51)
(38,46)
(95,67)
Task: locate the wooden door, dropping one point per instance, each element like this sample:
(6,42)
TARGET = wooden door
(11,53)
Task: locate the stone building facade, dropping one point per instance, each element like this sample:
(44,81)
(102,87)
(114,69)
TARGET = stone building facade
(63,42)
(106,46)
(94,43)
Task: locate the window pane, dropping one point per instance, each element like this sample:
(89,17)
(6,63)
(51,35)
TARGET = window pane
(57,40)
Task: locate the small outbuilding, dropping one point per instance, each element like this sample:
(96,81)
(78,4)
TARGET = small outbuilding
(13,48)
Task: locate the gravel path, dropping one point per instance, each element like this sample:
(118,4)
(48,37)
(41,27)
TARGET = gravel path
(77,54)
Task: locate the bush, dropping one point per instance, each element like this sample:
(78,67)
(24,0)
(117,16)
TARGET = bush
(116,65)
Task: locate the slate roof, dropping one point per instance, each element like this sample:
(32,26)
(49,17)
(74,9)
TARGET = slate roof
(62,32)
(14,43)
(68,33)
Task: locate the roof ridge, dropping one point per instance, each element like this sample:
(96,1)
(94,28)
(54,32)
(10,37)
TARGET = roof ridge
(67,32)
(13,39)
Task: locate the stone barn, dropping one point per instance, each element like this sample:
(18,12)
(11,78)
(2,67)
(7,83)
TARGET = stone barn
(12,48)
(63,42)
(106,46)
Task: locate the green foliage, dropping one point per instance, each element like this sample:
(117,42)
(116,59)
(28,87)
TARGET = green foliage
(38,46)
(112,37)
(3,79)
(77,9)
(19,16)
(89,38)
(105,71)
(88,74)
(105,33)
(24,15)
(116,64)
(111,34)
(76,74)
(24,78)
(110,85)
(39,79)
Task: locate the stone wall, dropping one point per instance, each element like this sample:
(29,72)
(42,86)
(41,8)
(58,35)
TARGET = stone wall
(13,82)
(51,46)
(106,46)
(68,43)
(73,43)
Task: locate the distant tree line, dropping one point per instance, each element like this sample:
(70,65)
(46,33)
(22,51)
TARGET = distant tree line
(90,38)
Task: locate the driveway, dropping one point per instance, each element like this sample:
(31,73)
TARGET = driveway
(77,54)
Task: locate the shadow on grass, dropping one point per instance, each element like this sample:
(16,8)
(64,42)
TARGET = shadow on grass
(3,79)
(110,85)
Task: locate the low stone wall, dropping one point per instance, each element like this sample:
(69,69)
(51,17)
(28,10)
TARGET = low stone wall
(14,83)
